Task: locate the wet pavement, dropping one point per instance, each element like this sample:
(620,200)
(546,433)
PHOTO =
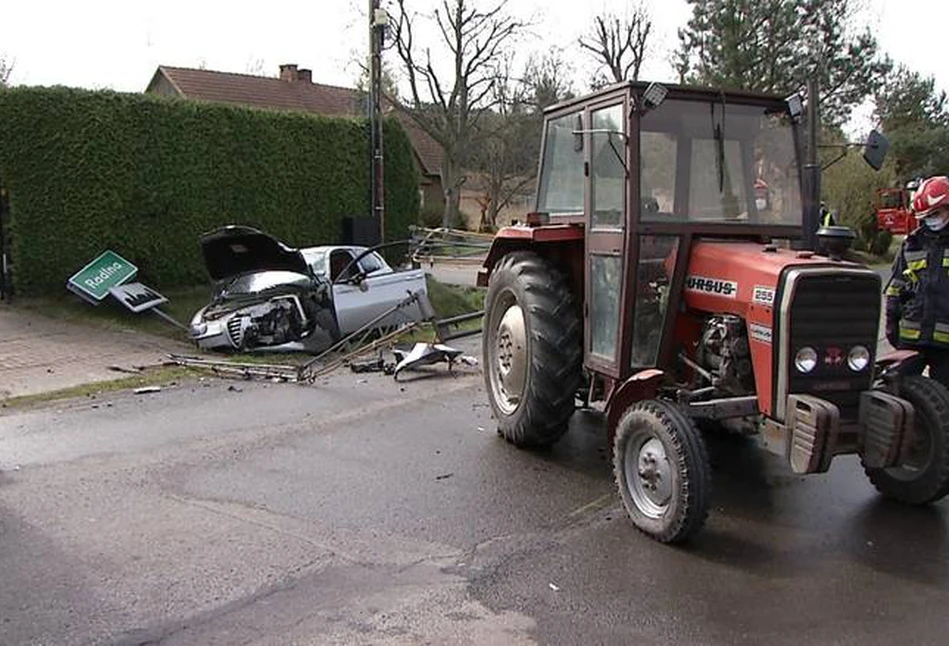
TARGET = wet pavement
(364,510)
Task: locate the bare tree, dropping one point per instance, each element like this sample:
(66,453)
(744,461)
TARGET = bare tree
(448,107)
(508,141)
(618,44)
(6,68)
(504,147)
(548,77)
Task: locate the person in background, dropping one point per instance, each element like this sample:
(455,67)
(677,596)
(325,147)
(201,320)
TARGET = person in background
(917,296)
(827,217)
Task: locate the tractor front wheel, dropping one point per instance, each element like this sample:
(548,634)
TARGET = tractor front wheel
(661,468)
(532,349)
(924,476)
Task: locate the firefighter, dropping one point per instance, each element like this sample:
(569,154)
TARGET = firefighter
(827,217)
(917,296)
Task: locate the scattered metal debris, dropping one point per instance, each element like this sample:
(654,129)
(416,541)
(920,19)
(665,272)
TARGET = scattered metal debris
(425,354)
(369,365)
(134,370)
(348,350)
(145,390)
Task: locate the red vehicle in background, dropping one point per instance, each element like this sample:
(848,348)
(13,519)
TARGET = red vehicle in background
(894,210)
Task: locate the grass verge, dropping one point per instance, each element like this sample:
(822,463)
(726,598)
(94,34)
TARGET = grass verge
(157,376)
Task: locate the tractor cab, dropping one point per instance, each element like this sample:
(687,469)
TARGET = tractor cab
(671,273)
(644,174)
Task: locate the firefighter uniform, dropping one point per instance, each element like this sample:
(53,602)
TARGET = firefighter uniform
(917,299)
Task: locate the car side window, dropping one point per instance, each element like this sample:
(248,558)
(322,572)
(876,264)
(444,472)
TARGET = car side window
(339,259)
(370,263)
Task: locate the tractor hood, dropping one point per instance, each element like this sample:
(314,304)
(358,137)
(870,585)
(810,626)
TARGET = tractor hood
(733,276)
(235,250)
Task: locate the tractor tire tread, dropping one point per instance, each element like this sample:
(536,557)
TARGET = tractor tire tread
(692,465)
(556,355)
(935,400)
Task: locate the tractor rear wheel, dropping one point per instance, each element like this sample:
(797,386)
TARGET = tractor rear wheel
(532,349)
(924,477)
(662,471)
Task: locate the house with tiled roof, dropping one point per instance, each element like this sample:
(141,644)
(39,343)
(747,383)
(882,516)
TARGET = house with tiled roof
(294,89)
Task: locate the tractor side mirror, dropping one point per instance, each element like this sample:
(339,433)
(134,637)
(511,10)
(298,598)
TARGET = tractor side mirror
(874,152)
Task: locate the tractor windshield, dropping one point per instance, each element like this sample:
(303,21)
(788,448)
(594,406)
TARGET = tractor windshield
(718,162)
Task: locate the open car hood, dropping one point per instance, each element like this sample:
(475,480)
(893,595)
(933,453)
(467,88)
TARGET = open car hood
(234,250)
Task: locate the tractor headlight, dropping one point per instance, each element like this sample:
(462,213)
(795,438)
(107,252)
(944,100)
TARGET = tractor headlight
(806,359)
(858,358)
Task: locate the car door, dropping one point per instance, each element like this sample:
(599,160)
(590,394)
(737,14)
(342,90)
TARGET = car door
(389,288)
(378,290)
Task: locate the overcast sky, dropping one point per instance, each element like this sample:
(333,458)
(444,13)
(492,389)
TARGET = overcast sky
(119,44)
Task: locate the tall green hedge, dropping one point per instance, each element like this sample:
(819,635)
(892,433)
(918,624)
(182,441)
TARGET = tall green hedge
(145,176)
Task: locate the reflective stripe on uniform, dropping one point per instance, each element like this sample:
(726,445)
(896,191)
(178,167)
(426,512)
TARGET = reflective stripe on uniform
(941,333)
(893,290)
(945,258)
(910,330)
(915,261)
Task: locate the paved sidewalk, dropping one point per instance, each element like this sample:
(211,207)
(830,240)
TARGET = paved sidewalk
(39,354)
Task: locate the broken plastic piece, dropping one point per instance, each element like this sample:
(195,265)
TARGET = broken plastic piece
(424,354)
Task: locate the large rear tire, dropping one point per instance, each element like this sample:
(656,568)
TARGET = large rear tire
(924,478)
(662,471)
(532,349)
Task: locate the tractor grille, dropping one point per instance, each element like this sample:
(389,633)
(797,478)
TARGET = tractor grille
(832,313)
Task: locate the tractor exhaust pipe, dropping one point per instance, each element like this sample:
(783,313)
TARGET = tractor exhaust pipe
(811,178)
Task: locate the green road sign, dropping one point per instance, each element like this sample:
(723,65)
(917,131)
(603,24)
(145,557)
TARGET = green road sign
(94,281)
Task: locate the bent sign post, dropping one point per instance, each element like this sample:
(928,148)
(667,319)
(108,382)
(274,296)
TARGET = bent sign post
(94,281)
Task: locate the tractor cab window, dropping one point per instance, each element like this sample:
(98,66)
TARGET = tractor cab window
(560,190)
(718,162)
(608,168)
(657,260)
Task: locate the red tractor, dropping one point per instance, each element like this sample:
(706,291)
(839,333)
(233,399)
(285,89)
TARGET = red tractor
(894,209)
(655,281)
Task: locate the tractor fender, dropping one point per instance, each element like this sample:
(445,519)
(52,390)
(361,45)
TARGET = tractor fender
(899,362)
(642,385)
(561,244)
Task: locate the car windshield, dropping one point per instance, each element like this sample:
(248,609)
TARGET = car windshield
(713,161)
(262,281)
(316,259)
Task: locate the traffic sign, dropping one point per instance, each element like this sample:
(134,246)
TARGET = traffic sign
(94,281)
(137,297)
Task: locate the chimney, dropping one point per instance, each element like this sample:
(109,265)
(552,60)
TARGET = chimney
(305,76)
(288,73)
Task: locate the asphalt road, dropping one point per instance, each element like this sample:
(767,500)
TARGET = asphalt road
(361,510)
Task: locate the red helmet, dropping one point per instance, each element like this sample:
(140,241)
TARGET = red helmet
(933,193)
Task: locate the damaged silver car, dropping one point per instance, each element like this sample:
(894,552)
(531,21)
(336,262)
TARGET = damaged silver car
(272,297)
